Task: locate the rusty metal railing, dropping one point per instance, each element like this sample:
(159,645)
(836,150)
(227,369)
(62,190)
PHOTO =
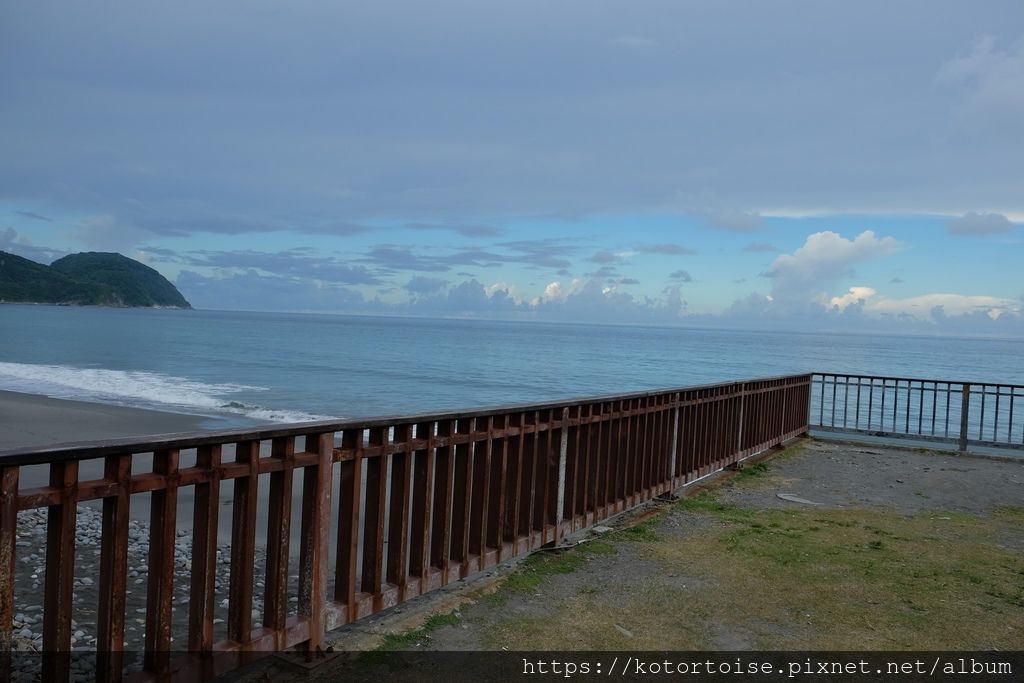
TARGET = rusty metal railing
(965,413)
(389,508)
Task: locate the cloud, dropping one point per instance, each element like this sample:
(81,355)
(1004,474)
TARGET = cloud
(449,119)
(336,228)
(536,253)
(553,292)
(421,285)
(736,221)
(681,275)
(825,258)
(674,249)
(972,223)
(925,307)
(897,281)
(13,243)
(604,272)
(990,80)
(252,291)
(106,232)
(605,257)
(392,257)
(542,253)
(299,263)
(856,296)
(34,216)
(760,247)
(464,230)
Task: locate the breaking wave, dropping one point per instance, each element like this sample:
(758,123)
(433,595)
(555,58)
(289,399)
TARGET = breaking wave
(141,389)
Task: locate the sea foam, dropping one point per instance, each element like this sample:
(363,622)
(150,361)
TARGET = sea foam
(141,389)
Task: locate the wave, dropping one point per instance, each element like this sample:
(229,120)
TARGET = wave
(141,389)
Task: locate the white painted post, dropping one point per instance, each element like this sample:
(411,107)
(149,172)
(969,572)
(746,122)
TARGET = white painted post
(563,452)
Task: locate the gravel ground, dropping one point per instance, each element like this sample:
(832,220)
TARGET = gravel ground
(835,475)
(30,582)
(844,475)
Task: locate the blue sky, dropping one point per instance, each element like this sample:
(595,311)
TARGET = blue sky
(819,165)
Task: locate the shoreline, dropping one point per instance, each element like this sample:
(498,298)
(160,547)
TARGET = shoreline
(35,420)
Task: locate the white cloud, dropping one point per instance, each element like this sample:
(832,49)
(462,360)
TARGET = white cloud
(552,292)
(824,259)
(511,292)
(972,223)
(854,296)
(928,307)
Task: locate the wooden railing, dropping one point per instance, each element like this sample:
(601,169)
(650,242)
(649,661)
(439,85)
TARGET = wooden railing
(390,508)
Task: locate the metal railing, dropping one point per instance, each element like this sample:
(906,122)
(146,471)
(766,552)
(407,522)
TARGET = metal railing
(965,413)
(389,508)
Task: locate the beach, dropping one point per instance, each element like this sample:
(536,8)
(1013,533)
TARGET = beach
(31,420)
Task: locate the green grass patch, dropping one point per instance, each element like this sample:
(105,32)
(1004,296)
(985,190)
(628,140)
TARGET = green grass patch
(535,568)
(404,641)
(596,548)
(642,532)
(706,503)
(782,578)
(750,472)
(1015,512)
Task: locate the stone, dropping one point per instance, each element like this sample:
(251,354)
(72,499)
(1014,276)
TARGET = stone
(796,499)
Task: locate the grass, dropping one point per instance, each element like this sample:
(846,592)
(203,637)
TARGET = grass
(709,575)
(797,579)
(529,575)
(409,639)
(788,578)
(640,532)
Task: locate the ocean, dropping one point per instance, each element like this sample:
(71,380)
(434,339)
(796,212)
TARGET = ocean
(280,367)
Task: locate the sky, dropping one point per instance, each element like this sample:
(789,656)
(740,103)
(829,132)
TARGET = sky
(801,165)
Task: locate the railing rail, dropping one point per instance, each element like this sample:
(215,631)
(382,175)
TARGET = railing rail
(390,508)
(986,414)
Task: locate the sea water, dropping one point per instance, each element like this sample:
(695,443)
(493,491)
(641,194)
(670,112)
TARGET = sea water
(281,367)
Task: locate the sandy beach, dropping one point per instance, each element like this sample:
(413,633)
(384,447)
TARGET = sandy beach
(28,420)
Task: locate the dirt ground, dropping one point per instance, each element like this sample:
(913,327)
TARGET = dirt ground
(882,548)
(619,596)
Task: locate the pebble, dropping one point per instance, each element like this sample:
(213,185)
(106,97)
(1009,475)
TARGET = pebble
(88,533)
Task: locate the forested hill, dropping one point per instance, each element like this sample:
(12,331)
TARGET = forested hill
(86,279)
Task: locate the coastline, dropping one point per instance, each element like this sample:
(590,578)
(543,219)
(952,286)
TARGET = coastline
(30,420)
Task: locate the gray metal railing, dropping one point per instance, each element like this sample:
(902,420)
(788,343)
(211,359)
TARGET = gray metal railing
(963,413)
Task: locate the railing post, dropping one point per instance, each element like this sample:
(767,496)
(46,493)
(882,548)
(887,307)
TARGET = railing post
(563,450)
(810,406)
(8,544)
(60,573)
(315,530)
(739,429)
(965,408)
(675,448)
